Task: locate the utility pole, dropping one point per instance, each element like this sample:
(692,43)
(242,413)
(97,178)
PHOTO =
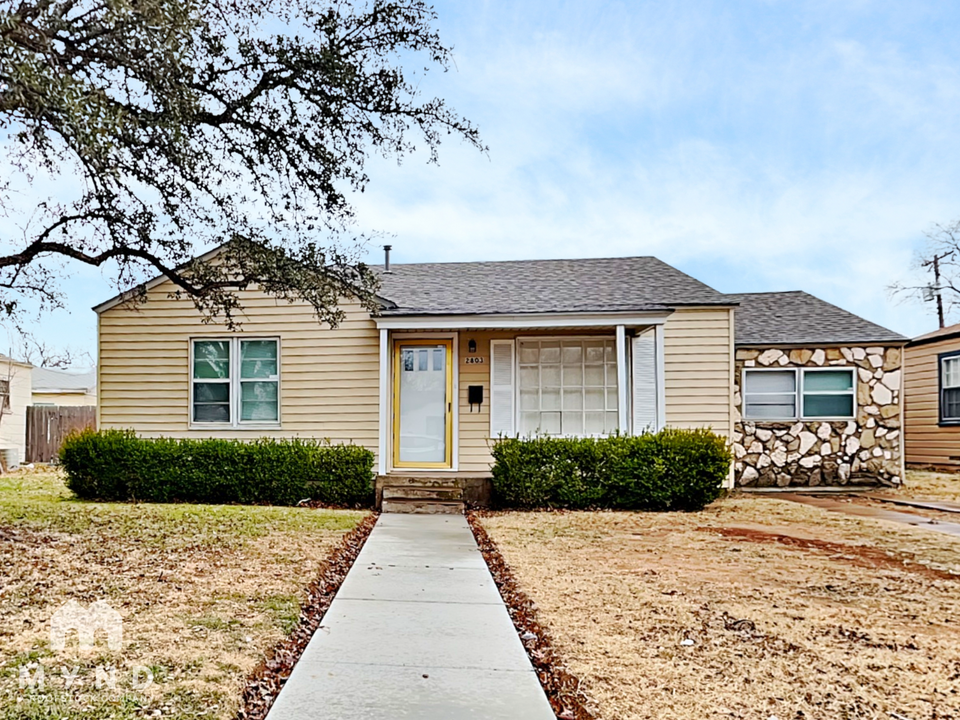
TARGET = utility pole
(935,261)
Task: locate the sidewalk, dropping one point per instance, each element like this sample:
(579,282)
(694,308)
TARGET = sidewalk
(417,630)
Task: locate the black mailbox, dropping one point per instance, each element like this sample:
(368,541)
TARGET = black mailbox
(475,396)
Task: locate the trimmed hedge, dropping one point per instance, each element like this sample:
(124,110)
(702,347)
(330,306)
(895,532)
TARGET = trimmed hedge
(118,465)
(668,470)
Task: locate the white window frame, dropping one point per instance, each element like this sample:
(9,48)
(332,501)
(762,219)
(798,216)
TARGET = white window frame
(234,383)
(548,338)
(941,380)
(796,394)
(799,393)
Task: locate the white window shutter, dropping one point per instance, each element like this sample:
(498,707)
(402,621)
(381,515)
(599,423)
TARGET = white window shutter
(502,391)
(644,382)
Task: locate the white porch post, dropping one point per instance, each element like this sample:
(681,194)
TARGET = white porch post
(384,425)
(661,383)
(623,404)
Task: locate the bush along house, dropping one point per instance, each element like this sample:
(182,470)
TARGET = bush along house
(817,394)
(459,354)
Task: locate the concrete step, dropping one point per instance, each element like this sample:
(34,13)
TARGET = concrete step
(419,481)
(422,507)
(409,492)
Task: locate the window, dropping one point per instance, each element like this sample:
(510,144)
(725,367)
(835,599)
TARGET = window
(828,393)
(770,394)
(236,381)
(950,389)
(568,386)
(5,394)
(806,393)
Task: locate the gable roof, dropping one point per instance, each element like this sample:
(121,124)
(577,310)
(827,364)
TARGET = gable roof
(798,318)
(945,333)
(541,286)
(51,380)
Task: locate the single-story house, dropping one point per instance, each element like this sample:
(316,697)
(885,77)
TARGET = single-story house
(15,384)
(64,388)
(931,382)
(461,353)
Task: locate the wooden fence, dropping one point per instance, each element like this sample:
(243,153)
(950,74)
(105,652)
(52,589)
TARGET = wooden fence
(47,426)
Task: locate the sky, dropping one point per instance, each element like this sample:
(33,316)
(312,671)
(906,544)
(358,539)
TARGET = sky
(757,146)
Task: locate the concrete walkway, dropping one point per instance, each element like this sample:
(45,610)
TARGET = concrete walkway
(417,630)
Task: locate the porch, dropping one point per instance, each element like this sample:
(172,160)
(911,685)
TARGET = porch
(450,385)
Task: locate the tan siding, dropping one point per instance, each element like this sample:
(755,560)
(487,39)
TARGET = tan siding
(698,369)
(13,423)
(329,378)
(926,442)
(64,399)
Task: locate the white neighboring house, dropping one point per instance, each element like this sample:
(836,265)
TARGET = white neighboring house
(64,388)
(16,380)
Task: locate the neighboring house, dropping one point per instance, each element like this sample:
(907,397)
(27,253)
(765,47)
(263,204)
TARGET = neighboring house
(64,388)
(15,383)
(461,353)
(932,390)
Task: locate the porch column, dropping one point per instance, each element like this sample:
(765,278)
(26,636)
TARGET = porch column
(384,424)
(623,404)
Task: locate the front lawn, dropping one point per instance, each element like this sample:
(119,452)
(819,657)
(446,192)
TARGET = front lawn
(204,592)
(753,608)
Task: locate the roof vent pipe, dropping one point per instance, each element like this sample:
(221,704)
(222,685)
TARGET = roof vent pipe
(386,257)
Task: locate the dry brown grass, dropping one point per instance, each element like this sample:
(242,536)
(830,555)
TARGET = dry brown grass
(204,592)
(846,617)
(940,486)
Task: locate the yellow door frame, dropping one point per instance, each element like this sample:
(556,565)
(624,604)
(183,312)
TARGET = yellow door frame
(448,428)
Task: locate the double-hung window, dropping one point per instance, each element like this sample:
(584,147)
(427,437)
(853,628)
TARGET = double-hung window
(804,393)
(235,381)
(950,389)
(568,386)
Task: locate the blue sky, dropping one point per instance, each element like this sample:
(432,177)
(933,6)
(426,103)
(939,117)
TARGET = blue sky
(755,145)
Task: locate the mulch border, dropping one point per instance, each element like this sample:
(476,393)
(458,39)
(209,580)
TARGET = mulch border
(563,688)
(266,681)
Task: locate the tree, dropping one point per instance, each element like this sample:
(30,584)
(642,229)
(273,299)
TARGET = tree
(186,124)
(939,261)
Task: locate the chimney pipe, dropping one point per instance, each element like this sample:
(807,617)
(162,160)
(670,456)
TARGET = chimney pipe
(386,257)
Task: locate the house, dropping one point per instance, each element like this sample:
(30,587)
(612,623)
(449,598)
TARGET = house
(931,381)
(461,353)
(63,388)
(15,385)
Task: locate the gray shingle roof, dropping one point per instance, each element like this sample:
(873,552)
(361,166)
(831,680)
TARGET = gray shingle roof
(535,286)
(53,380)
(798,318)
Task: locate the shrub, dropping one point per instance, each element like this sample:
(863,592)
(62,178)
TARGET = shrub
(668,470)
(118,465)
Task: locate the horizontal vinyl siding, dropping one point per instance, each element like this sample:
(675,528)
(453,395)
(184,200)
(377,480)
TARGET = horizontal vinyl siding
(328,378)
(697,369)
(13,424)
(926,443)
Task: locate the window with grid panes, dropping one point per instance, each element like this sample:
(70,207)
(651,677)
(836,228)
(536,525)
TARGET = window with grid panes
(568,386)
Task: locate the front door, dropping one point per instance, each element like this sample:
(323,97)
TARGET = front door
(423,403)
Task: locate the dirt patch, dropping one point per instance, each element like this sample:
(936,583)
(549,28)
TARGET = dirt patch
(563,689)
(268,679)
(860,555)
(754,608)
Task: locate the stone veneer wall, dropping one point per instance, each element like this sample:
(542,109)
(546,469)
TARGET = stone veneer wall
(865,450)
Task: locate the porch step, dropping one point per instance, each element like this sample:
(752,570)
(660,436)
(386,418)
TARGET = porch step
(421,506)
(421,481)
(411,492)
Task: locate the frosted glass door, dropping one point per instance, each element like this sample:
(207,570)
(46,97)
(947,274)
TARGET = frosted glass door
(423,404)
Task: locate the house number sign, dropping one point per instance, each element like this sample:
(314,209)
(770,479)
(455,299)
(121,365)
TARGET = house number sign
(473,360)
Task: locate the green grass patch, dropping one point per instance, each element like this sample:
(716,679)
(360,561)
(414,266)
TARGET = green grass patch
(41,502)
